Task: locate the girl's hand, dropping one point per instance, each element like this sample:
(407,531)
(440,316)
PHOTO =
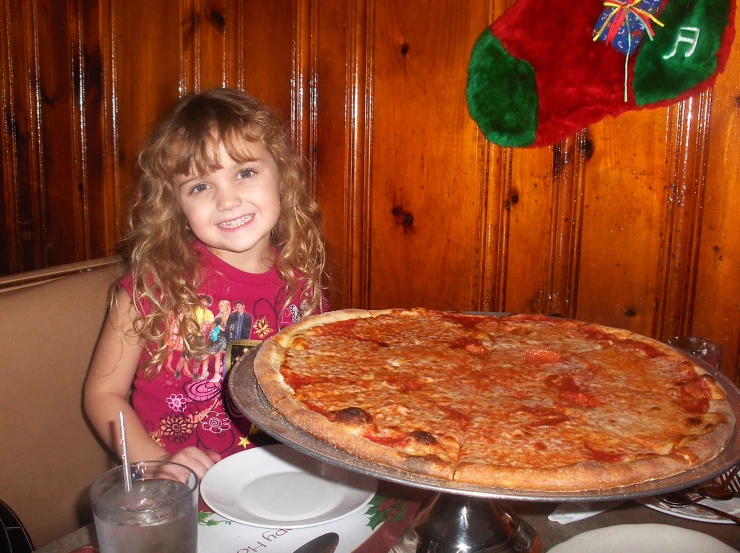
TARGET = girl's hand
(195,459)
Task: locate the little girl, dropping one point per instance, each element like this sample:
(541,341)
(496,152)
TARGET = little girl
(222,217)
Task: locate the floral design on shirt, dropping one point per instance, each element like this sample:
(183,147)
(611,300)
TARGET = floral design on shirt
(176,428)
(177,402)
(217,423)
(262,327)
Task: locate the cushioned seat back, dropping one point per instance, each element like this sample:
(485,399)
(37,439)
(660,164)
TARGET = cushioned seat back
(49,455)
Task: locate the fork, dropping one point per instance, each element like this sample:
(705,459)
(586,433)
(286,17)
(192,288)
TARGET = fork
(730,480)
(681,499)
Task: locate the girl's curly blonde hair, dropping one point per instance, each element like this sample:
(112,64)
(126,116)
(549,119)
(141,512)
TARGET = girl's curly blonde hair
(164,266)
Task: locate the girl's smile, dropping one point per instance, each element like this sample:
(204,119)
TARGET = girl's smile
(236,223)
(233,209)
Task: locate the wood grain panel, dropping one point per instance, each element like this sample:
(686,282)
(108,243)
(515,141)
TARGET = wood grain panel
(360,143)
(494,171)
(210,44)
(566,219)
(215,22)
(234,43)
(529,201)
(29,233)
(425,193)
(688,125)
(139,26)
(624,221)
(9,175)
(716,306)
(303,101)
(97,128)
(190,47)
(59,80)
(269,52)
(338,35)
(495,177)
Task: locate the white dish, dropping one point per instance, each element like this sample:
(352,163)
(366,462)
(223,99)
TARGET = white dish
(278,487)
(642,538)
(692,512)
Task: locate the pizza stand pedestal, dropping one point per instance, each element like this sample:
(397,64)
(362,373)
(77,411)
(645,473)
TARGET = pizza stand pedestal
(463,517)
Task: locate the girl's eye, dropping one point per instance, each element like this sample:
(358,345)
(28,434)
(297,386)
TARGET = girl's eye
(198,188)
(245,173)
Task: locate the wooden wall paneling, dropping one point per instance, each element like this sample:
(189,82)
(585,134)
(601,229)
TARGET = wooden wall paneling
(624,221)
(360,103)
(303,104)
(216,21)
(529,202)
(344,100)
(495,175)
(494,171)
(8,143)
(360,150)
(269,35)
(569,161)
(190,47)
(212,45)
(234,44)
(716,308)
(97,127)
(335,50)
(145,85)
(29,232)
(687,126)
(545,202)
(60,168)
(206,29)
(425,192)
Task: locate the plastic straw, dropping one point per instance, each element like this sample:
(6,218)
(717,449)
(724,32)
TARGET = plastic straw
(124,455)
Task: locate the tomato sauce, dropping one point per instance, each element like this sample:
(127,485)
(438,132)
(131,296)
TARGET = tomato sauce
(648,349)
(466,321)
(296,381)
(389,441)
(542,356)
(604,456)
(580,398)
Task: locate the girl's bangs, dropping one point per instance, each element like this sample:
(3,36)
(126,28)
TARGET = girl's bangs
(199,155)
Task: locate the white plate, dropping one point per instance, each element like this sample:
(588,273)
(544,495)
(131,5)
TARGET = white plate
(642,538)
(278,487)
(692,512)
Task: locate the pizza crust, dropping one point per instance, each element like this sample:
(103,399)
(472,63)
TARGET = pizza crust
(267,370)
(707,445)
(590,475)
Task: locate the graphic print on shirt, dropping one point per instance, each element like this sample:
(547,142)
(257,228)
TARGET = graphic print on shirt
(199,411)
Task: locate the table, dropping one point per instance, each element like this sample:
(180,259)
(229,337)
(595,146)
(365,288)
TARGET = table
(551,533)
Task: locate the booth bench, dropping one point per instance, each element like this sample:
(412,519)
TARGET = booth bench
(49,324)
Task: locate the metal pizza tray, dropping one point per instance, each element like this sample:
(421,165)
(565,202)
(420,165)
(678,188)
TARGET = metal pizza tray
(248,396)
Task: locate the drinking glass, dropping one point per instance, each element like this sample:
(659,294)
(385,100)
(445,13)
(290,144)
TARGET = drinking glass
(704,349)
(158,515)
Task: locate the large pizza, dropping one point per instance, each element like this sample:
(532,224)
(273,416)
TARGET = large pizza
(522,402)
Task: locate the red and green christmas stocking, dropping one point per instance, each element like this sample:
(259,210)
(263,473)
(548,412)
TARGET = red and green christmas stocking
(547,68)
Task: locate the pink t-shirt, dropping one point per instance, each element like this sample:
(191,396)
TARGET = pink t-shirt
(187,403)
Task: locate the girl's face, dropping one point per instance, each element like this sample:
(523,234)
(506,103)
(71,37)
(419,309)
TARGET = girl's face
(233,209)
